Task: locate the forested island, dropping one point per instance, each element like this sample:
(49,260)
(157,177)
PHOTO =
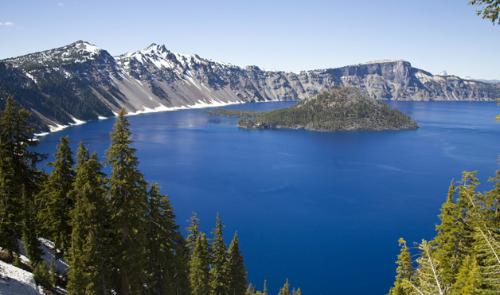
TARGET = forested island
(340,109)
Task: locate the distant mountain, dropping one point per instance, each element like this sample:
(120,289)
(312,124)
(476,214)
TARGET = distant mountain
(80,82)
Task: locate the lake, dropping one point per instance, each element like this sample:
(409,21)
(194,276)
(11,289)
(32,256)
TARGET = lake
(324,210)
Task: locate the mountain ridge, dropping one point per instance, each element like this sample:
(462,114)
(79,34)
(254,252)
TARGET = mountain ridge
(80,82)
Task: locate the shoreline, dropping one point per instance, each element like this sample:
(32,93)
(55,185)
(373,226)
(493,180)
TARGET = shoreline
(201,105)
(159,109)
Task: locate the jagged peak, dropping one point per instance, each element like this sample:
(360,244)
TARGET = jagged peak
(153,47)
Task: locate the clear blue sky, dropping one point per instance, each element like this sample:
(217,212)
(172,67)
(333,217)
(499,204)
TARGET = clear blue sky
(435,35)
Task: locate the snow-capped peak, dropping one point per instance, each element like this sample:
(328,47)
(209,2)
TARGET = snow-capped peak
(76,52)
(86,47)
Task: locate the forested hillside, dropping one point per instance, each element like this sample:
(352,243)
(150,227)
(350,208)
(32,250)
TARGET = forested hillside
(117,232)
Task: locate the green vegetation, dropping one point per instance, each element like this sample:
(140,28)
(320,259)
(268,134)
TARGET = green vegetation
(341,109)
(117,233)
(463,257)
(488,9)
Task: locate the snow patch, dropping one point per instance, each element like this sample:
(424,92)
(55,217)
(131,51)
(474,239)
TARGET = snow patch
(16,281)
(57,127)
(198,105)
(47,243)
(77,121)
(31,77)
(41,134)
(214,102)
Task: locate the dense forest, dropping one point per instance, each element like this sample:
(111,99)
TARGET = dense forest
(464,256)
(117,233)
(339,109)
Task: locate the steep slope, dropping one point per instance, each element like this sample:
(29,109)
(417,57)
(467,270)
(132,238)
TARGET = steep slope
(80,82)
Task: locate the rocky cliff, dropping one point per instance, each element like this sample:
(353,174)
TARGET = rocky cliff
(80,82)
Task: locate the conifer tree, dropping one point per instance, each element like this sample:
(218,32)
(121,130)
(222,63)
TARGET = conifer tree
(428,277)
(89,252)
(404,270)
(162,235)
(199,267)
(285,290)
(19,178)
(193,232)
(82,155)
(451,239)
(235,269)
(467,214)
(297,292)
(128,209)
(468,279)
(181,258)
(30,239)
(54,201)
(486,251)
(218,273)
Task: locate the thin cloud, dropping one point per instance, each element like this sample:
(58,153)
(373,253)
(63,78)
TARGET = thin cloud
(60,4)
(6,24)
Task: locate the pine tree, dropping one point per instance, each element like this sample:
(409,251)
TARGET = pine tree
(451,239)
(486,249)
(82,155)
(235,269)
(404,271)
(193,232)
(297,292)
(218,273)
(199,267)
(468,279)
(428,277)
(128,209)
(285,290)
(19,178)
(88,255)
(30,239)
(181,258)
(54,201)
(162,235)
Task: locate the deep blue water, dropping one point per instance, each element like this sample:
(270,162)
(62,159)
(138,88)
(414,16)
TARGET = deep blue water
(322,209)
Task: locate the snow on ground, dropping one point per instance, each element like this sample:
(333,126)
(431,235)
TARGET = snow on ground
(48,256)
(57,127)
(160,108)
(16,281)
(198,105)
(77,121)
